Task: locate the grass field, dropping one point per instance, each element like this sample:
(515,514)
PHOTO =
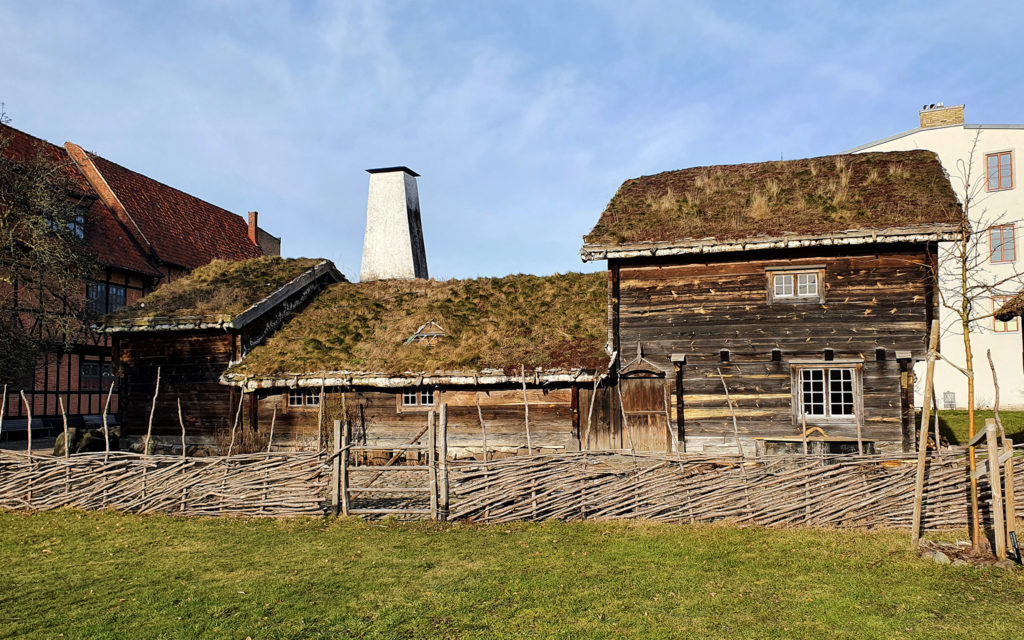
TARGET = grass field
(91,575)
(953,424)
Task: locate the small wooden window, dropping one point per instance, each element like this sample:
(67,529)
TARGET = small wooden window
(1010,326)
(795,286)
(303,398)
(410,398)
(417,398)
(1002,243)
(999,170)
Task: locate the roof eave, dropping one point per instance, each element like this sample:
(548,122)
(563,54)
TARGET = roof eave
(487,377)
(930,233)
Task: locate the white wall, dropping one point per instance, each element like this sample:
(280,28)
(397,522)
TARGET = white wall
(954,144)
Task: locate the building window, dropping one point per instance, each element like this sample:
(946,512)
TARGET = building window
(999,170)
(826,392)
(103,298)
(1010,326)
(303,398)
(795,286)
(95,376)
(1002,243)
(418,398)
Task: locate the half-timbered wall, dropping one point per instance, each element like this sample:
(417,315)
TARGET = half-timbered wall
(715,315)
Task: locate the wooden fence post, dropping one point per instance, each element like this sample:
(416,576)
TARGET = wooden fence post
(922,445)
(443,455)
(345,435)
(64,417)
(106,429)
(432,461)
(995,482)
(336,470)
(152,410)
(1011,509)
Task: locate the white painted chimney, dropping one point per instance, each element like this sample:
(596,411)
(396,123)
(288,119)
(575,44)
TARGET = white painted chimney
(393,245)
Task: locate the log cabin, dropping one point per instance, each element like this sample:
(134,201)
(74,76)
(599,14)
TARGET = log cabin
(783,304)
(189,331)
(515,359)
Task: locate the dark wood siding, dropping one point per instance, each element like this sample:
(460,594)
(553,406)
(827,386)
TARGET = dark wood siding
(871,300)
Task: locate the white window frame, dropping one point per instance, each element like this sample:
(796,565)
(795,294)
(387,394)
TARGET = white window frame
(830,372)
(299,398)
(796,285)
(416,399)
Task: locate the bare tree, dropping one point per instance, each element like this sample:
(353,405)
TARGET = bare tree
(43,254)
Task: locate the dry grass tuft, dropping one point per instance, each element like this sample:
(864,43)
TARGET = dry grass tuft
(217,291)
(553,322)
(812,196)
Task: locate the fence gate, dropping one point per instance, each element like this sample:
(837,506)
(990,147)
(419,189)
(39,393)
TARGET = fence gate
(379,490)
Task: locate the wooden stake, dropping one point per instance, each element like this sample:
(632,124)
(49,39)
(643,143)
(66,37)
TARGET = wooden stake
(995,482)
(28,412)
(106,429)
(432,461)
(152,410)
(735,425)
(181,421)
(3,410)
(336,470)
(935,408)
(668,419)
(238,416)
(345,435)
(1011,510)
(590,414)
(273,418)
(922,444)
(803,431)
(526,410)
(483,427)
(64,416)
(443,457)
(320,418)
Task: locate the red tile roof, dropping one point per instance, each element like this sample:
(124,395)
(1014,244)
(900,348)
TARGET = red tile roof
(183,229)
(105,235)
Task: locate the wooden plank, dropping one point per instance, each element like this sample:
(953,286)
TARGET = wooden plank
(344,471)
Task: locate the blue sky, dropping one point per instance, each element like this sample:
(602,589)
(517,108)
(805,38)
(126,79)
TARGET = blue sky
(523,118)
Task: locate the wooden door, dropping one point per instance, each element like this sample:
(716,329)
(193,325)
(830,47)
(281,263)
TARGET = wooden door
(644,407)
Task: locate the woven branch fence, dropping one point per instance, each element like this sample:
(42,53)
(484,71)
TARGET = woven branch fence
(834,492)
(259,484)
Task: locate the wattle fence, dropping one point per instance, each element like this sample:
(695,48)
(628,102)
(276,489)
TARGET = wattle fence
(832,492)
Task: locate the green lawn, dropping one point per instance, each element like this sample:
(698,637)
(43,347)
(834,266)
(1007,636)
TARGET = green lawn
(953,424)
(88,575)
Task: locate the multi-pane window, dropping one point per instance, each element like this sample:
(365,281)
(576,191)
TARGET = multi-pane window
(102,297)
(95,376)
(418,398)
(998,325)
(1002,243)
(303,398)
(999,170)
(795,285)
(826,393)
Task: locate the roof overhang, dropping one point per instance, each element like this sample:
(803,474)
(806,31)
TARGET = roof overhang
(225,322)
(915,235)
(486,377)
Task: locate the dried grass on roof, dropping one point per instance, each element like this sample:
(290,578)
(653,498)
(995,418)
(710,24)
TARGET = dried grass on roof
(215,292)
(553,322)
(811,196)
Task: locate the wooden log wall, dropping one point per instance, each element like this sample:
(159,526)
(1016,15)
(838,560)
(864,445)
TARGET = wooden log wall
(379,418)
(191,363)
(872,299)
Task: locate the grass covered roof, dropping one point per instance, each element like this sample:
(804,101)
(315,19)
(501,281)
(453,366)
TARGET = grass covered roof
(213,293)
(554,322)
(814,196)
(1012,308)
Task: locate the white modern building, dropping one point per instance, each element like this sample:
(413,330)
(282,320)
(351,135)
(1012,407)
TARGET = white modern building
(986,154)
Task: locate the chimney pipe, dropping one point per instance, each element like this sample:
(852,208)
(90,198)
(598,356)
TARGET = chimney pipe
(253,226)
(393,244)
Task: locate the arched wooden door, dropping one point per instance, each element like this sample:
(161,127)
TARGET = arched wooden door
(645,409)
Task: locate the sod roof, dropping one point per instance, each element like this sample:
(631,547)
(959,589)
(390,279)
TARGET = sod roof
(212,294)
(809,197)
(550,323)
(1012,308)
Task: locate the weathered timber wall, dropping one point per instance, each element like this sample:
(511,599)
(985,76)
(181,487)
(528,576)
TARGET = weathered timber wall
(872,299)
(379,419)
(191,363)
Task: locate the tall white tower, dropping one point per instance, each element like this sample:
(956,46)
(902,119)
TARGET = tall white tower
(393,245)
